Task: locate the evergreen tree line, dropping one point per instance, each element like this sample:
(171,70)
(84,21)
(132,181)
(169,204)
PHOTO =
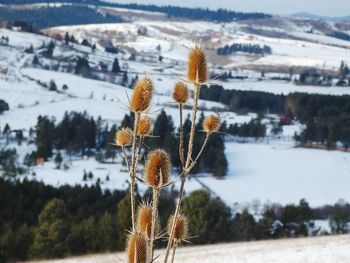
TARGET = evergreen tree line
(166,136)
(339,35)
(219,15)
(327,118)
(40,221)
(238,101)
(244,48)
(39,18)
(79,133)
(4,106)
(254,129)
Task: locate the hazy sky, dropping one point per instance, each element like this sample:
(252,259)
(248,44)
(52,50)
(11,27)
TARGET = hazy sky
(319,7)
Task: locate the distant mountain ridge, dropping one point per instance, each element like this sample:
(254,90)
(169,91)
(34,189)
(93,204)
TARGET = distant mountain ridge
(313,16)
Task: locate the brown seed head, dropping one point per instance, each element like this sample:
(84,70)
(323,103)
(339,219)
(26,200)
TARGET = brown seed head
(137,248)
(211,124)
(141,98)
(157,169)
(181,229)
(197,65)
(181,93)
(123,137)
(144,127)
(144,220)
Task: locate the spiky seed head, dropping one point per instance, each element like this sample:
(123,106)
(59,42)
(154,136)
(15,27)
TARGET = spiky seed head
(157,169)
(144,127)
(144,220)
(141,98)
(181,229)
(137,248)
(181,93)
(123,137)
(197,65)
(211,124)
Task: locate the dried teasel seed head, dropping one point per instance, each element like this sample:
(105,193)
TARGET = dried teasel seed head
(137,248)
(144,220)
(157,169)
(144,127)
(211,124)
(197,65)
(181,93)
(180,230)
(123,137)
(141,98)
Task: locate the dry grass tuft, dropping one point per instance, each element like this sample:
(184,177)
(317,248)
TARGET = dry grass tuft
(197,65)
(157,169)
(211,124)
(144,127)
(137,248)
(123,137)
(141,98)
(181,228)
(181,93)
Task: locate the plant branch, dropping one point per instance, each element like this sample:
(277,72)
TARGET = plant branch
(173,254)
(181,147)
(133,170)
(193,124)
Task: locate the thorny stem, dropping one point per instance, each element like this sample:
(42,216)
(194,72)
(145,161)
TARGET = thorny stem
(188,166)
(154,216)
(193,124)
(173,254)
(133,170)
(139,150)
(126,158)
(181,147)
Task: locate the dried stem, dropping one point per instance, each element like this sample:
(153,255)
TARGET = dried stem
(193,124)
(139,150)
(154,216)
(133,170)
(181,147)
(173,254)
(126,159)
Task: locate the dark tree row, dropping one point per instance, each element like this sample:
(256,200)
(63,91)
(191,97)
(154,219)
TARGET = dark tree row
(40,221)
(238,100)
(213,159)
(327,118)
(220,15)
(244,48)
(38,18)
(3,106)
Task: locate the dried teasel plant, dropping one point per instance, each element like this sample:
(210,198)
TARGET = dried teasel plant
(157,169)
(123,137)
(137,248)
(144,126)
(157,175)
(211,124)
(180,230)
(197,74)
(144,220)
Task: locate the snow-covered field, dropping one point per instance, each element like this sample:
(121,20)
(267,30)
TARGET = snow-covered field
(270,173)
(327,249)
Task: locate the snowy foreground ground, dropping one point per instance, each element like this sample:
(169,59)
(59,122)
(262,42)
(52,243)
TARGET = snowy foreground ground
(331,249)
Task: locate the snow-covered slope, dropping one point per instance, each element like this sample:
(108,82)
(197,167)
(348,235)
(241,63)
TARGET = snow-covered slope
(301,250)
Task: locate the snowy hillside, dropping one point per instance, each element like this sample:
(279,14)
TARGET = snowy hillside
(301,250)
(268,170)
